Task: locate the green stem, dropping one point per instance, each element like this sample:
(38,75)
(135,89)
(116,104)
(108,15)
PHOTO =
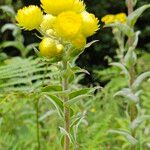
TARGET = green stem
(132,109)
(66,110)
(37,125)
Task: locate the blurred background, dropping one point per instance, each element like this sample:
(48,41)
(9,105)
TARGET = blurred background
(96,56)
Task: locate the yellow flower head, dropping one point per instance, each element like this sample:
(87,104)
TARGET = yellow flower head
(55,7)
(90,24)
(48,48)
(48,22)
(121,17)
(68,24)
(79,42)
(78,6)
(108,19)
(29,17)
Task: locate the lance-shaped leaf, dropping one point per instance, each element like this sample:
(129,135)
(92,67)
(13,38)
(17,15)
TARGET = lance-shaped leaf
(58,104)
(139,120)
(75,127)
(133,17)
(123,68)
(126,134)
(90,43)
(127,93)
(140,79)
(64,132)
(52,88)
(78,95)
(124,28)
(15,44)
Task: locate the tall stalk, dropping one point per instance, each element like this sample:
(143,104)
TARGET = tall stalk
(132,107)
(66,109)
(37,125)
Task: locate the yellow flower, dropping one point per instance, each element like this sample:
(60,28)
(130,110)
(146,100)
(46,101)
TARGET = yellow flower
(121,17)
(55,7)
(49,48)
(29,17)
(68,24)
(108,19)
(79,42)
(90,24)
(78,6)
(48,22)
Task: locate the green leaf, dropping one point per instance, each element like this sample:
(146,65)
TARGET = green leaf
(127,93)
(140,79)
(133,17)
(124,28)
(90,43)
(15,44)
(76,99)
(130,58)
(57,103)
(78,95)
(79,92)
(52,88)
(126,134)
(64,132)
(8,26)
(139,120)
(123,68)
(77,69)
(8,9)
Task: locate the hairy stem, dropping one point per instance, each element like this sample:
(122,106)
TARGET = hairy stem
(66,111)
(132,109)
(37,125)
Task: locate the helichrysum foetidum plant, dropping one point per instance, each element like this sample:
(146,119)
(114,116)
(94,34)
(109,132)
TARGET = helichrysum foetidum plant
(64,26)
(127,39)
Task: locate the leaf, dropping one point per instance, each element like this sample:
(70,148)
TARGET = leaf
(139,120)
(77,69)
(64,132)
(75,127)
(127,135)
(47,114)
(8,26)
(123,68)
(133,17)
(8,9)
(52,88)
(57,103)
(79,92)
(124,28)
(127,93)
(140,79)
(77,95)
(15,44)
(90,43)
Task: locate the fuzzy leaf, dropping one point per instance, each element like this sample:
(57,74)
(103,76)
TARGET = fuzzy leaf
(140,79)
(123,68)
(64,132)
(127,135)
(124,28)
(90,43)
(57,103)
(133,17)
(138,121)
(127,93)
(52,88)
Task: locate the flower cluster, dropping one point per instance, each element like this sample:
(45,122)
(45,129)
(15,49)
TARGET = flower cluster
(63,21)
(108,19)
